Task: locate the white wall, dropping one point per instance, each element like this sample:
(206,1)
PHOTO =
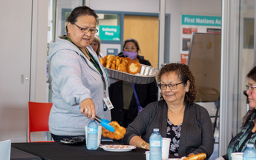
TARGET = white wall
(151,6)
(24,47)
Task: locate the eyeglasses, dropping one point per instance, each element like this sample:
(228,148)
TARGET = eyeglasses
(251,88)
(86,30)
(171,86)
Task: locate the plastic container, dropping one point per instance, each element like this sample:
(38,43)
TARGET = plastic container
(237,156)
(249,153)
(92,133)
(155,143)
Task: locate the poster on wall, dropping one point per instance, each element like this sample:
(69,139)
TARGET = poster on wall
(196,23)
(213,30)
(183,58)
(188,30)
(185,44)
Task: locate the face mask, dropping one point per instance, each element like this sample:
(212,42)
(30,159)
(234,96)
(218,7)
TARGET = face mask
(132,55)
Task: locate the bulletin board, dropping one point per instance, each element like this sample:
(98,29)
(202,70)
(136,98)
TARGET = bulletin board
(204,61)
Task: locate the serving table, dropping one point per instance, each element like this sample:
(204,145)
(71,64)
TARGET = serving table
(59,151)
(17,154)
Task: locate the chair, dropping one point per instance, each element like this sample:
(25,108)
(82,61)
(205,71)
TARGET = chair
(38,118)
(5,150)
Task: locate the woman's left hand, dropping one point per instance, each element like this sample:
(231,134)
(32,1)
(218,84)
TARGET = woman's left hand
(87,108)
(191,154)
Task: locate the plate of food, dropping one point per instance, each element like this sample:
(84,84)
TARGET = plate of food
(128,70)
(117,148)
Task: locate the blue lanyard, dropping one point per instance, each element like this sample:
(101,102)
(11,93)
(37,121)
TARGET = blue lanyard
(137,100)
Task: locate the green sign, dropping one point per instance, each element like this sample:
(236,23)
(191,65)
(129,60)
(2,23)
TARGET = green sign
(110,33)
(201,20)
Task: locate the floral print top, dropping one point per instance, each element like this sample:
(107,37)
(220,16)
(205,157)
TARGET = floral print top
(173,132)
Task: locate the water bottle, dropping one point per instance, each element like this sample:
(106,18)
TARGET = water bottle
(155,145)
(249,153)
(92,133)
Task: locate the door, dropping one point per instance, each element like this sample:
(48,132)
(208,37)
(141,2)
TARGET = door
(145,30)
(15,16)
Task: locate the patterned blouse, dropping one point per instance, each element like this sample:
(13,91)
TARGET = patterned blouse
(173,132)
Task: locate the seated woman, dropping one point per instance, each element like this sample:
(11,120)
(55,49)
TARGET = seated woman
(177,117)
(247,134)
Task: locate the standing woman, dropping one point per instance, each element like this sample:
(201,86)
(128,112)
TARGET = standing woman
(121,93)
(79,81)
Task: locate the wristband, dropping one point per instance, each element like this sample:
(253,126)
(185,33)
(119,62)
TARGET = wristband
(144,145)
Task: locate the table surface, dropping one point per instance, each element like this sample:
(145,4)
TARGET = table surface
(17,154)
(59,151)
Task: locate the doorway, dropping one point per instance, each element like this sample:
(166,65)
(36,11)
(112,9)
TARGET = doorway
(145,29)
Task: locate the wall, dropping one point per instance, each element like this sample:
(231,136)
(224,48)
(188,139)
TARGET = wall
(23,47)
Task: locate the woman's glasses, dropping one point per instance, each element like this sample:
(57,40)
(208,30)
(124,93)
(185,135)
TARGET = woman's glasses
(251,88)
(171,86)
(86,30)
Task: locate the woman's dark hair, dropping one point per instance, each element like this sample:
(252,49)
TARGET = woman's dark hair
(134,41)
(79,11)
(252,75)
(184,74)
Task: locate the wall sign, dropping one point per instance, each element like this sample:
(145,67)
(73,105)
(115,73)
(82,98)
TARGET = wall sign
(110,33)
(201,20)
(113,51)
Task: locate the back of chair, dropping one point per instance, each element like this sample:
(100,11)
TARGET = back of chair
(5,150)
(38,117)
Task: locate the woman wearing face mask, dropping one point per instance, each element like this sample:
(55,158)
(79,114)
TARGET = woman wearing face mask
(121,93)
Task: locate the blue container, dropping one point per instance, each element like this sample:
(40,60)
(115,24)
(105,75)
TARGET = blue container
(92,133)
(155,143)
(249,153)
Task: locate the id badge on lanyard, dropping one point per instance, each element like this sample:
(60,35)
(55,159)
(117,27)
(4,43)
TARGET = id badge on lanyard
(107,105)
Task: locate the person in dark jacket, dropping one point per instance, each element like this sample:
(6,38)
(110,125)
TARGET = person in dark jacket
(176,115)
(121,93)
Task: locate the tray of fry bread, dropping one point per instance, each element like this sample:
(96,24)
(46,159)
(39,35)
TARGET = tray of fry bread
(123,68)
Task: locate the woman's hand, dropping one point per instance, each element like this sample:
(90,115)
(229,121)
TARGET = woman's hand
(87,108)
(191,154)
(139,142)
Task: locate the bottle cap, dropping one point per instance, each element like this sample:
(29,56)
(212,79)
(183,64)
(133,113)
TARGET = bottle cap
(250,145)
(155,129)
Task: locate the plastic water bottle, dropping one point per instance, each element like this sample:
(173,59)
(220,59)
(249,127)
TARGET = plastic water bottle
(92,133)
(155,145)
(249,153)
